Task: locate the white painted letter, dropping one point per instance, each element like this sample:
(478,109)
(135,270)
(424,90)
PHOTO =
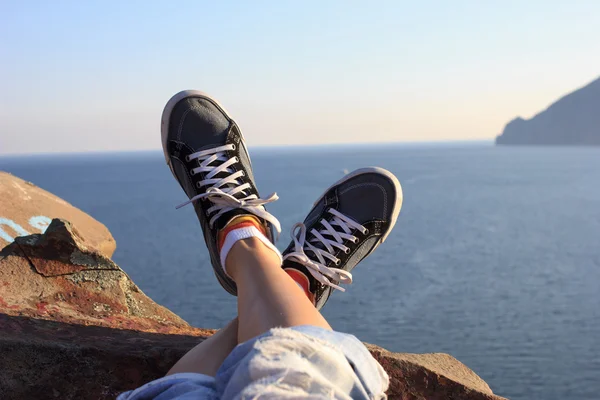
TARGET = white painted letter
(40,222)
(15,227)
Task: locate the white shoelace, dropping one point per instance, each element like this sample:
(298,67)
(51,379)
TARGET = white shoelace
(335,239)
(224,199)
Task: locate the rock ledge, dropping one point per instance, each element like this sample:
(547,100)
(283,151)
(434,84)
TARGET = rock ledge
(74,326)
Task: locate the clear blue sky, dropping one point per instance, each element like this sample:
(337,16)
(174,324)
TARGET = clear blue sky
(94,75)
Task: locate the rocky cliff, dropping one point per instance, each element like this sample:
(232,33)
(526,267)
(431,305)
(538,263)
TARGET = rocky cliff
(74,326)
(572,120)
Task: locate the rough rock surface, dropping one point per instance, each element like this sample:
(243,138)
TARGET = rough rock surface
(44,359)
(74,326)
(55,276)
(26,208)
(435,376)
(54,360)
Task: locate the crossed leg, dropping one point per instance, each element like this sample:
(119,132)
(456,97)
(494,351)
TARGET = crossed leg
(206,357)
(267,298)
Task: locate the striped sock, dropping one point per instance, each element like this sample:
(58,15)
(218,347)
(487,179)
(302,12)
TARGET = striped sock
(302,281)
(239,228)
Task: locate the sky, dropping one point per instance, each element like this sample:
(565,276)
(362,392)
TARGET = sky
(82,76)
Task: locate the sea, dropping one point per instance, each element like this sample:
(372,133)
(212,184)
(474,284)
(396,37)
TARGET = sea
(495,258)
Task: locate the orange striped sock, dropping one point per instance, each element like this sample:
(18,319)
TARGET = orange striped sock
(241,221)
(301,280)
(239,228)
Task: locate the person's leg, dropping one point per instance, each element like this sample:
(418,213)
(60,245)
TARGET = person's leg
(205,150)
(267,296)
(346,224)
(207,357)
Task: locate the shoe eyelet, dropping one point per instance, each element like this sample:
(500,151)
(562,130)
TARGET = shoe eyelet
(192,173)
(367,232)
(338,262)
(233,147)
(198,185)
(187,158)
(355,240)
(347,251)
(243,173)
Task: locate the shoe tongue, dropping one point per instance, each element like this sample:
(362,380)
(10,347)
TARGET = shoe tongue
(223,175)
(310,238)
(231,185)
(225,218)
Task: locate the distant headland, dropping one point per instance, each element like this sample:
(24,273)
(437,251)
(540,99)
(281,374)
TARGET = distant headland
(572,120)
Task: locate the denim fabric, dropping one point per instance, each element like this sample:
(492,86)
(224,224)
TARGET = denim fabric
(303,362)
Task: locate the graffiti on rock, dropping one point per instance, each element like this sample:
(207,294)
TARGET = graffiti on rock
(8,227)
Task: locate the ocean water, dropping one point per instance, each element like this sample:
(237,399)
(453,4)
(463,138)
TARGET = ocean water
(495,258)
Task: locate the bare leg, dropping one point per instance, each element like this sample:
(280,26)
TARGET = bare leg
(207,357)
(267,296)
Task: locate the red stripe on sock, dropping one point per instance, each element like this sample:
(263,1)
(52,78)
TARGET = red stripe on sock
(302,280)
(242,224)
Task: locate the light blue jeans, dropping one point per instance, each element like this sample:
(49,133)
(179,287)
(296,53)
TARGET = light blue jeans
(303,362)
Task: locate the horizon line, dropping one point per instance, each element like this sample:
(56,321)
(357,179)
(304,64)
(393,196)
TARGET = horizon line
(264,147)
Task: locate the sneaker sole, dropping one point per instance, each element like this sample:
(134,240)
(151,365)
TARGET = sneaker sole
(387,174)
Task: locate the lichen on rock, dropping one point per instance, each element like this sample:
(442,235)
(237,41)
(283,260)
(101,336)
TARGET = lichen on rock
(55,276)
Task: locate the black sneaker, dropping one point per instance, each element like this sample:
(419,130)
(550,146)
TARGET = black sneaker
(345,225)
(206,153)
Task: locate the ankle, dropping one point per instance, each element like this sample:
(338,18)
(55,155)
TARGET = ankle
(302,281)
(249,253)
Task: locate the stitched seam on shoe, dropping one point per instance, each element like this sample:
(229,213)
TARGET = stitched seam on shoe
(187,173)
(316,218)
(180,128)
